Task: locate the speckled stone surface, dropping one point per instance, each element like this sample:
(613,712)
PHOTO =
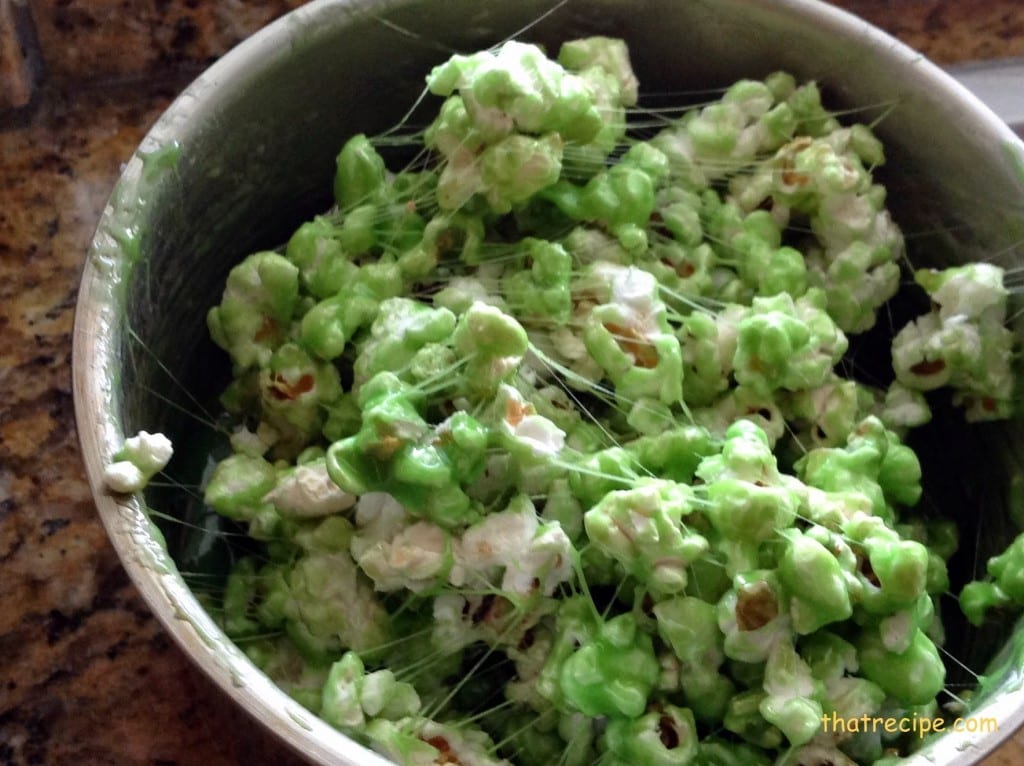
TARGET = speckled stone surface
(87,676)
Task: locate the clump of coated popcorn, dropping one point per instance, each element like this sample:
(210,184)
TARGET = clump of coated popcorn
(140,458)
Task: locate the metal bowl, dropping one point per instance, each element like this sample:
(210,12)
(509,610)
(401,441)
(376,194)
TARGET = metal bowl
(246,154)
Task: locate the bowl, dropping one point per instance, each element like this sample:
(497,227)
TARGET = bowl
(247,152)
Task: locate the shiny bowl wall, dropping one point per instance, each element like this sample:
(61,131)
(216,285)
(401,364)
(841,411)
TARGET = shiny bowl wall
(246,154)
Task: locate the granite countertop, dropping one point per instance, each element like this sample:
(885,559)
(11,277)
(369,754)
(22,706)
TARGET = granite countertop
(86,673)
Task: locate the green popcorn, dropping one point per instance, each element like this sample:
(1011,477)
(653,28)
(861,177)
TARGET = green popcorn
(899,476)
(562,505)
(962,342)
(815,583)
(306,491)
(521,736)
(642,529)
(1008,569)
(807,171)
(677,216)
(845,219)
(543,291)
(666,736)
(493,343)
(327,534)
(874,463)
(588,245)
(432,363)
(606,53)
(752,616)
(614,673)
(755,244)
(831,509)
(295,391)
(903,408)
(648,416)
(690,626)
(453,132)
(576,624)
(325,266)
(744,719)
(579,734)
(417,740)
(331,606)
(897,629)
(791,690)
(750,97)
(914,676)
(534,558)
(628,335)
(821,753)
(621,198)
(446,236)
(857,281)
(719,139)
(390,422)
(787,344)
(742,403)
(840,548)
(343,417)
(351,695)
(239,593)
(781,84)
(1004,587)
(531,440)
(508,115)
(894,571)
(718,752)
(602,472)
(775,270)
(459,293)
(684,273)
(513,170)
(358,231)
(674,453)
(980,596)
(254,314)
(403,326)
(833,662)
(829,657)
(866,145)
(396,451)
(611,99)
(748,513)
(237,486)
(554,403)
(298,677)
(381,279)
(747,501)
(517,87)
(974,290)
(417,558)
(328,326)
(825,416)
(639,364)
(708,344)
(360,175)
(490,333)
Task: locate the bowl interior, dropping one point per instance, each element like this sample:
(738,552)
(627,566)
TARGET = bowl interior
(248,153)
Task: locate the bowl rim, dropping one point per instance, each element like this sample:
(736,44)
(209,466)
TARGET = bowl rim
(95,358)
